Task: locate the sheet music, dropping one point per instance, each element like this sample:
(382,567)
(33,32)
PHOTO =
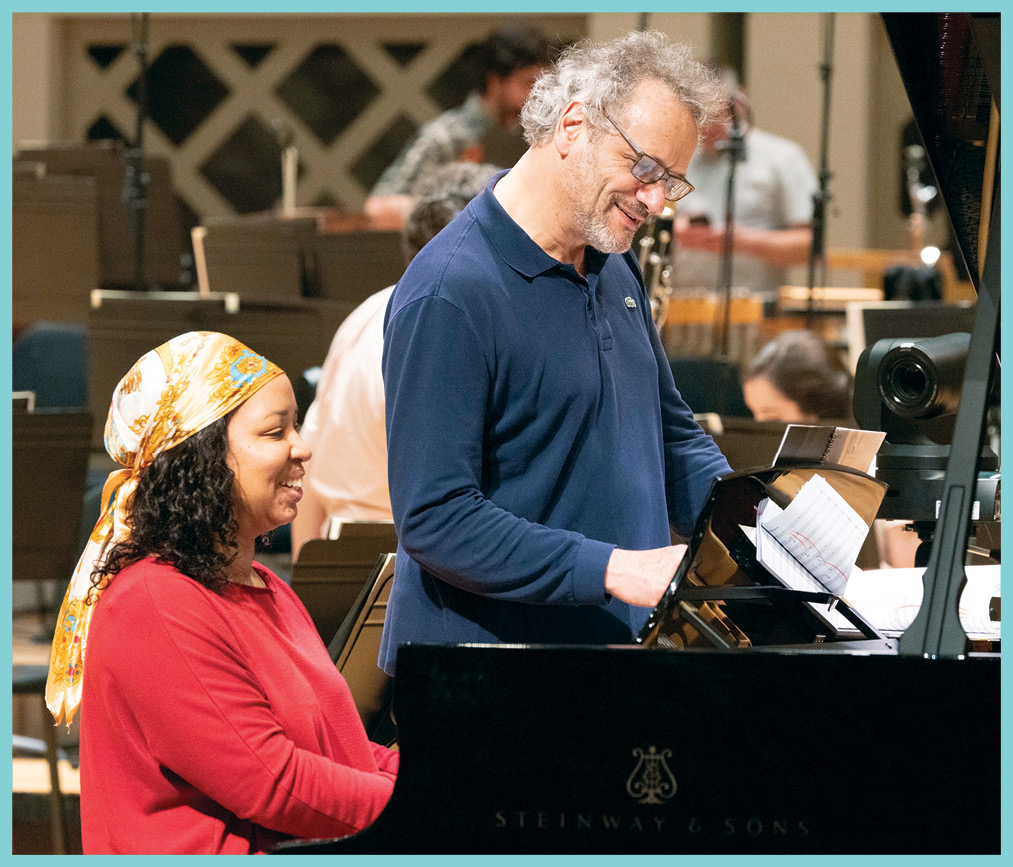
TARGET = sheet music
(890,598)
(818,529)
(778,561)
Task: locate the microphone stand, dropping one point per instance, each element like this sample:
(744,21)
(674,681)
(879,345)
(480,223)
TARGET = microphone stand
(817,255)
(736,149)
(135,191)
(289,164)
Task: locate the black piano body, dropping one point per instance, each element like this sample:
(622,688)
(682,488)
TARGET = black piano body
(535,749)
(750,720)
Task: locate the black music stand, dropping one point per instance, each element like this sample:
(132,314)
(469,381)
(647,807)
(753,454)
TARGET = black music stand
(722,597)
(329,574)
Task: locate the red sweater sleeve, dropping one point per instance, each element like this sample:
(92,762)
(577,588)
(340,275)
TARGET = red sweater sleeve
(386,759)
(200,703)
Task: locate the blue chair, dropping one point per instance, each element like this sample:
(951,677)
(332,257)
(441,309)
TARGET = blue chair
(31,680)
(51,359)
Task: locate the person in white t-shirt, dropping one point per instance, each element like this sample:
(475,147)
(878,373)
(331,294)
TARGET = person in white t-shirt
(772,208)
(345,423)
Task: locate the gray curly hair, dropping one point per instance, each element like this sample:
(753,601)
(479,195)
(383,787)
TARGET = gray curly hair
(602,76)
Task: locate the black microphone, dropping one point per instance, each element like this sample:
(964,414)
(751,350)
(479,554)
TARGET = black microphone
(740,114)
(733,112)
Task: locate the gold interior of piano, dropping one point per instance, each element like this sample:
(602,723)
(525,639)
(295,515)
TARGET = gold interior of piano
(720,555)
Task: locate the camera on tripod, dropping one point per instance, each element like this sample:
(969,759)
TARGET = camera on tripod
(910,390)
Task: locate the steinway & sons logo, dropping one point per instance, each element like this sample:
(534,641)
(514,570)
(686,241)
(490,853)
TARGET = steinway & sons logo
(651,781)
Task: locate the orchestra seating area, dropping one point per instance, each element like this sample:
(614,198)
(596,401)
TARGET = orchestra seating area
(280,283)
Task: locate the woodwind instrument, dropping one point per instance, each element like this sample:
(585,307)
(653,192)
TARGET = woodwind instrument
(655,256)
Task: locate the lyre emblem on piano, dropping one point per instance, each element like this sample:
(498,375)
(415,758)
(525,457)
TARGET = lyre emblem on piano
(651,781)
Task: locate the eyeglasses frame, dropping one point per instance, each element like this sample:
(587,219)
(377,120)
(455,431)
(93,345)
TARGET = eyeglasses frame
(644,176)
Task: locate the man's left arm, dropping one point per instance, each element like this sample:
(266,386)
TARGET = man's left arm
(782,247)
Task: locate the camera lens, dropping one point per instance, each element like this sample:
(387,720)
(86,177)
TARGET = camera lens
(901,383)
(922,380)
(908,382)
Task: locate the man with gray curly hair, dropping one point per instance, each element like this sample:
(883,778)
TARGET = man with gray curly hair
(592,88)
(540,455)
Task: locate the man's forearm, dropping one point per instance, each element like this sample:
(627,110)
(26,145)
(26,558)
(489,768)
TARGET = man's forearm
(784,247)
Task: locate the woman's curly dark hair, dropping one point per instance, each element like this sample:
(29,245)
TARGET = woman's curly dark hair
(183,512)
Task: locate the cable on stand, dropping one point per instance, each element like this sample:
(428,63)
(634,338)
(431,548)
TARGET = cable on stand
(735,147)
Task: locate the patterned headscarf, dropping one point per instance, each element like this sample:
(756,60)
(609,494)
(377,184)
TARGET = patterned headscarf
(169,394)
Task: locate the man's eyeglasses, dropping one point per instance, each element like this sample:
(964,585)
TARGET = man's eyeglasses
(649,170)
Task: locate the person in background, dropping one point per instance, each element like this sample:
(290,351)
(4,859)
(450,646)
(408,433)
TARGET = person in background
(212,717)
(773,206)
(539,452)
(345,423)
(510,60)
(798,378)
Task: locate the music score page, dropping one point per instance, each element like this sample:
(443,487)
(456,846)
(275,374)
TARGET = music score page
(812,543)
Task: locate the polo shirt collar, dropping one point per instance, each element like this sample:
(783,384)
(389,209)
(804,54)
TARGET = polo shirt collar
(514,244)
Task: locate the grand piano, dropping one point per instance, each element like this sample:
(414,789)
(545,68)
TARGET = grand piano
(743,723)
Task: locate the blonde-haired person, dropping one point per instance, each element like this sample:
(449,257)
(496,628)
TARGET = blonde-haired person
(212,718)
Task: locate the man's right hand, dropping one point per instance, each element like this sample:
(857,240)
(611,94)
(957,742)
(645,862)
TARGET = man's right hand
(642,577)
(696,236)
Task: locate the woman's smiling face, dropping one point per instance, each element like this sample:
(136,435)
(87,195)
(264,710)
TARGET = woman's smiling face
(266,455)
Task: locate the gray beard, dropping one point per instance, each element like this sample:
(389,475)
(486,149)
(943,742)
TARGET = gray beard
(595,227)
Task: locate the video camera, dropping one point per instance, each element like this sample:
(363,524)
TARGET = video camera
(910,390)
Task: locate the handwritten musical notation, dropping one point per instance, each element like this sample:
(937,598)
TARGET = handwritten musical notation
(820,533)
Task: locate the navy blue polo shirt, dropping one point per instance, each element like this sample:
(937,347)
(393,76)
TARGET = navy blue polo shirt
(532,426)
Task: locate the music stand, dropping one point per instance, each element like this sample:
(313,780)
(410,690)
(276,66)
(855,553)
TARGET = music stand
(721,596)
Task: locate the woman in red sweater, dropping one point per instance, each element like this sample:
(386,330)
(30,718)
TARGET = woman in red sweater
(213,719)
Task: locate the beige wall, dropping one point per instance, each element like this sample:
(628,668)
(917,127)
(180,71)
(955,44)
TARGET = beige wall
(691,27)
(785,52)
(35,74)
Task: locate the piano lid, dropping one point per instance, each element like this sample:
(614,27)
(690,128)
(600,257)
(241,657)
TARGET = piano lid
(950,66)
(949,63)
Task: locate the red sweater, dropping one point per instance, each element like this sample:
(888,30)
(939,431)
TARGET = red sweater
(217,723)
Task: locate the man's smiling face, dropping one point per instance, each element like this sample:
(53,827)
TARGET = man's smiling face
(610,203)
